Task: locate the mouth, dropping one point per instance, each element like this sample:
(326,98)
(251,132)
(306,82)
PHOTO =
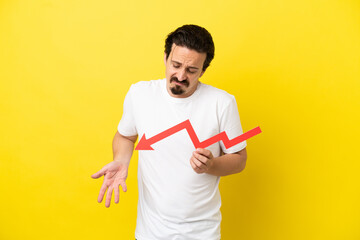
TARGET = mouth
(184,83)
(179,83)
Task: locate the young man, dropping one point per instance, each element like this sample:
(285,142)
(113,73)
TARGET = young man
(178,184)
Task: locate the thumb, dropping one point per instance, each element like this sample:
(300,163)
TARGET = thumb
(99,173)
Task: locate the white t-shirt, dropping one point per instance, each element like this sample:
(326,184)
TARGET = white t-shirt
(175,202)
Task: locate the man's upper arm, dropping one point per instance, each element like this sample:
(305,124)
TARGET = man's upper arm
(241,158)
(131,138)
(126,126)
(242,152)
(230,123)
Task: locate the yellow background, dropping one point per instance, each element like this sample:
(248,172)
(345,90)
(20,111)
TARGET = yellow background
(293,66)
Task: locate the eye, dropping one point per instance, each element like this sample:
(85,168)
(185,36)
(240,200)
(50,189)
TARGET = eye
(176,66)
(191,71)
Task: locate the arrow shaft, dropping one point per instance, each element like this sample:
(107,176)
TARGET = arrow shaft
(169,132)
(187,125)
(192,135)
(212,140)
(229,143)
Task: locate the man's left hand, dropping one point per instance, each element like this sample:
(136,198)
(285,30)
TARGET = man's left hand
(201,160)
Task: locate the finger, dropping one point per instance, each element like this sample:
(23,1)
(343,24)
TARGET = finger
(193,164)
(99,173)
(195,168)
(204,152)
(123,186)
(102,192)
(199,164)
(108,196)
(116,194)
(201,158)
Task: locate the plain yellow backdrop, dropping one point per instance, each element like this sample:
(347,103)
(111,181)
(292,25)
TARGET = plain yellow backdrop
(293,66)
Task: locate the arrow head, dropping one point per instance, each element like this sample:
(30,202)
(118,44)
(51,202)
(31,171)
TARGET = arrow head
(143,144)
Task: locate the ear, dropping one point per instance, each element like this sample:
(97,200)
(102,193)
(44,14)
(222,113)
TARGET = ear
(202,73)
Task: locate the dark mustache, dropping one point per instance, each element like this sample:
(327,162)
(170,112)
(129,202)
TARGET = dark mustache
(175,79)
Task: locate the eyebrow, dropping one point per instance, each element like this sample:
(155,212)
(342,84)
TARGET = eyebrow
(181,64)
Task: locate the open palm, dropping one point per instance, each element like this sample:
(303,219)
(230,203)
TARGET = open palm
(115,174)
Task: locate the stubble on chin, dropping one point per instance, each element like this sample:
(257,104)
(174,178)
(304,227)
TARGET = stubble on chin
(177,90)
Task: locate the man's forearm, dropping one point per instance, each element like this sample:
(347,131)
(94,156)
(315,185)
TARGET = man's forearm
(228,164)
(123,148)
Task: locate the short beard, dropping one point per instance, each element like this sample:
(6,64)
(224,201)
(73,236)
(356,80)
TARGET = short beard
(177,90)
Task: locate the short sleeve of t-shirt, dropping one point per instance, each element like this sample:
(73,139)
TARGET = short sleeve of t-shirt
(230,123)
(126,125)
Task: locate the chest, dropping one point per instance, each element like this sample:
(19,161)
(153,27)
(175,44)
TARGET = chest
(156,116)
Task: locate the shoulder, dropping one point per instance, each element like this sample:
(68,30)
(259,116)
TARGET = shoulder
(217,94)
(146,86)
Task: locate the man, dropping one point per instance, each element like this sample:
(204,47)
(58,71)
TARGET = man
(178,184)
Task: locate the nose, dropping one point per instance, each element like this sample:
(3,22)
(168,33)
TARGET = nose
(182,75)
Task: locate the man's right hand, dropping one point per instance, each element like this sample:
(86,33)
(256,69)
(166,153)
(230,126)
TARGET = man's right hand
(115,174)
